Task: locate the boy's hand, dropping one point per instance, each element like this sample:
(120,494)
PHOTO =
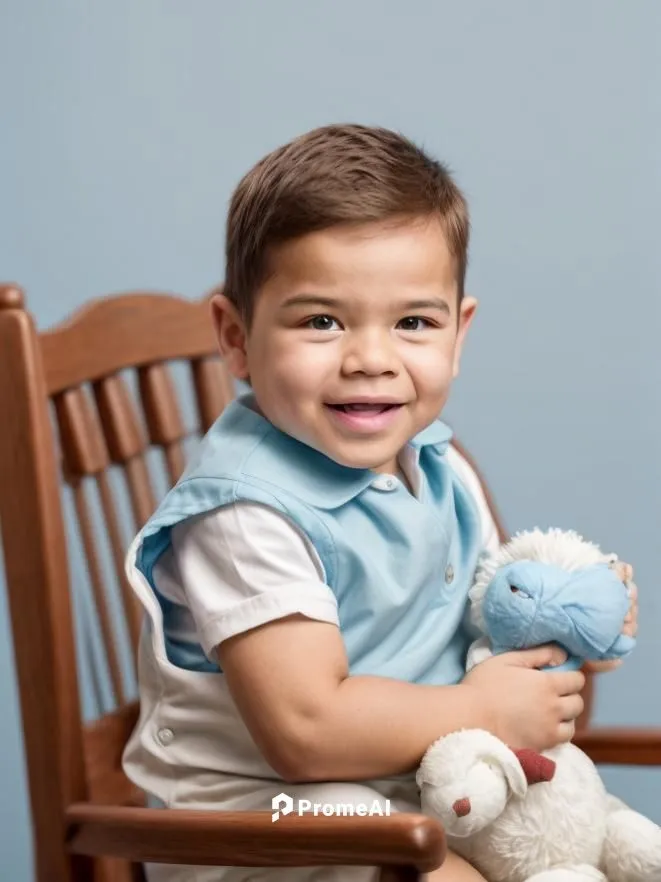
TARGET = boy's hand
(528,707)
(625,572)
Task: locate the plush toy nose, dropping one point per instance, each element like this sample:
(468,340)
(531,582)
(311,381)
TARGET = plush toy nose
(462,807)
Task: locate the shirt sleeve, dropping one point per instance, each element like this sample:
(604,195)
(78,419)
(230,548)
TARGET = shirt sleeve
(490,538)
(244,565)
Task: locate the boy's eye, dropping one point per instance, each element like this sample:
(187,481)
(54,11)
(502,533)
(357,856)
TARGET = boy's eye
(322,323)
(413,323)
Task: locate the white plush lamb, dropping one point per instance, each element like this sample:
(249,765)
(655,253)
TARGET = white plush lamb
(520,816)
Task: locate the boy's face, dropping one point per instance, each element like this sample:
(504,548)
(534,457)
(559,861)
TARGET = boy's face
(355,338)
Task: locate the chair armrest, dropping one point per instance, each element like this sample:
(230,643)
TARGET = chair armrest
(183,836)
(622,747)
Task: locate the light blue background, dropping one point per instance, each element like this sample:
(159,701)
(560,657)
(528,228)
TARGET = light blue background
(126,124)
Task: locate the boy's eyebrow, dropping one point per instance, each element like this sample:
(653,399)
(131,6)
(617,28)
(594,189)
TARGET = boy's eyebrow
(316,300)
(430,303)
(310,300)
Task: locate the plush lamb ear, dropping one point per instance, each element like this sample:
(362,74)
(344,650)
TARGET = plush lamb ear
(536,767)
(500,755)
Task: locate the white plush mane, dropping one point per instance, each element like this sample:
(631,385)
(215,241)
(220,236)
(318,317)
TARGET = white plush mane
(564,548)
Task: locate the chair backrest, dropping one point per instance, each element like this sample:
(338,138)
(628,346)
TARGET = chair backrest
(82,405)
(90,412)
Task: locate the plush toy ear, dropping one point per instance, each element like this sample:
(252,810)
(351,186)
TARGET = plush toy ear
(536,767)
(500,754)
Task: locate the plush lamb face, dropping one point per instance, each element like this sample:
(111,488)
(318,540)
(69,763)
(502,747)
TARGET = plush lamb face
(552,587)
(472,775)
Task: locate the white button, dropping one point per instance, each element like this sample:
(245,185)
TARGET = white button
(384,483)
(165,736)
(449,573)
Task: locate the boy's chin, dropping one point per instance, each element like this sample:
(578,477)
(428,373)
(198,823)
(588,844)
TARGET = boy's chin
(377,459)
(359,454)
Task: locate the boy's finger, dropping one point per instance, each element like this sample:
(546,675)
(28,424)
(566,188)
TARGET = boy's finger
(630,629)
(631,620)
(572,706)
(603,667)
(568,682)
(566,731)
(624,571)
(539,657)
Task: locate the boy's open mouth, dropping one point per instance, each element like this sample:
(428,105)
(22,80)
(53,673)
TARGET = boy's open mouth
(375,407)
(364,417)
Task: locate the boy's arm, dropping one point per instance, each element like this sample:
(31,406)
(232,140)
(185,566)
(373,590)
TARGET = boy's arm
(312,721)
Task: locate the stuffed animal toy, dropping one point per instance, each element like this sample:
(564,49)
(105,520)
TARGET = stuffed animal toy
(521,816)
(551,587)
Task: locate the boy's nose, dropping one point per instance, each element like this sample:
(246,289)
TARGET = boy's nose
(370,355)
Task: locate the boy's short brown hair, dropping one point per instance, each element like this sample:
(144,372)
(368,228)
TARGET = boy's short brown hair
(338,174)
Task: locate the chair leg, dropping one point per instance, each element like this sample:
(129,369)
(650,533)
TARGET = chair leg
(81,869)
(400,874)
(138,873)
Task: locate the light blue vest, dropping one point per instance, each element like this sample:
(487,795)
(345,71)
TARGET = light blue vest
(399,566)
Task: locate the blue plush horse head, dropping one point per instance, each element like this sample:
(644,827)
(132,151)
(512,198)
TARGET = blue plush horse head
(531,602)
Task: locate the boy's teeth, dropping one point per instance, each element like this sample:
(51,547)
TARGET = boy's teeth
(378,407)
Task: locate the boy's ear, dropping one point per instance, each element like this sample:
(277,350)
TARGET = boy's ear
(231,335)
(467,311)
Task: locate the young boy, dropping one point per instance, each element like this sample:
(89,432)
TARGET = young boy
(306,581)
